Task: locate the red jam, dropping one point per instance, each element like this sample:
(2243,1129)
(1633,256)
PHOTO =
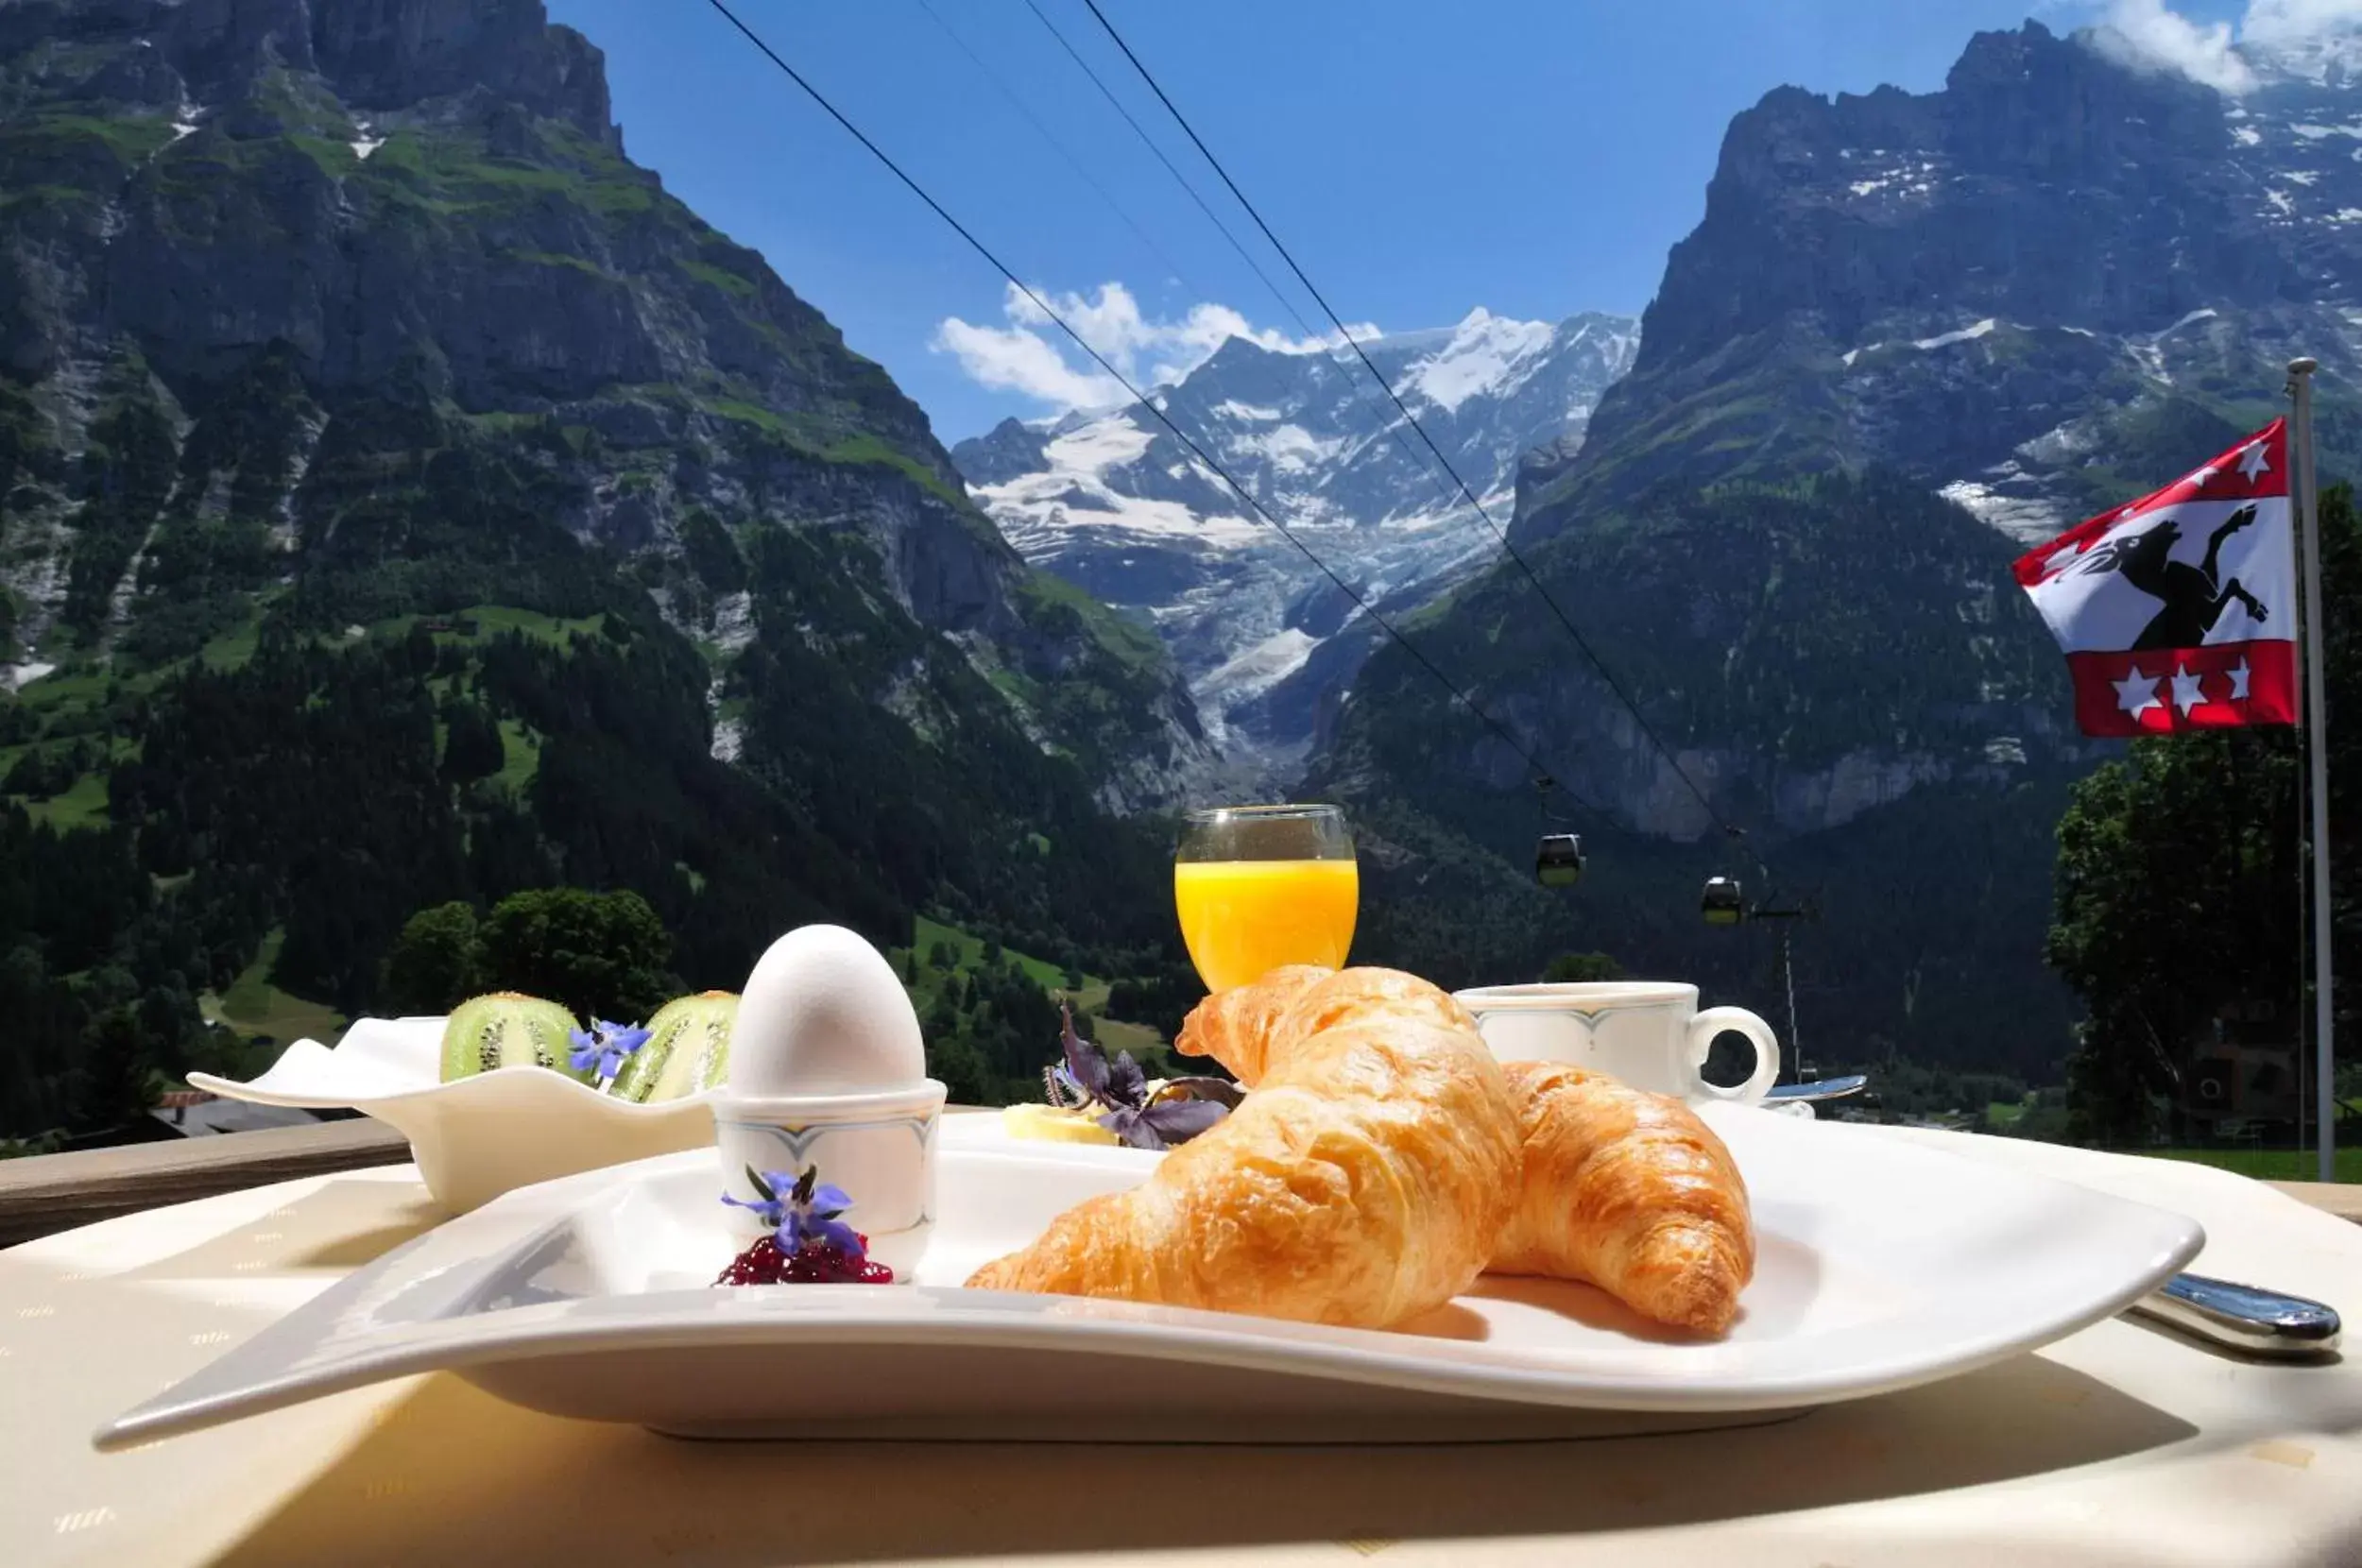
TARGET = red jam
(764,1264)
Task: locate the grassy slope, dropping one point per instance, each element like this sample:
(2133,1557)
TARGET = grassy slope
(83,805)
(2269,1165)
(1089,998)
(254,1006)
(73,702)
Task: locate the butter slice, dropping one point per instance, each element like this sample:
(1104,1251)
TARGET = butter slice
(1049,1124)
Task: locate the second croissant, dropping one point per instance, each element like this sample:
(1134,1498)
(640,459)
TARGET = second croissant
(1619,1187)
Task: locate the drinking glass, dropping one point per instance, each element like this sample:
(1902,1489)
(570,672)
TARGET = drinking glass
(1263,886)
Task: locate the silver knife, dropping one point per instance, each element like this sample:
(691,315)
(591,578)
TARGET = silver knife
(2243,1318)
(1820,1088)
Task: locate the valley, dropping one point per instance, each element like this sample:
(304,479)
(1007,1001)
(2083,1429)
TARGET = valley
(405,499)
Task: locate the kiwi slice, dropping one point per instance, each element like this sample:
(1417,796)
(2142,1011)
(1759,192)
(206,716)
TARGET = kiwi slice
(506,1030)
(687,1049)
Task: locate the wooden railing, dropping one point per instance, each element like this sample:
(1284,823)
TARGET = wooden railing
(56,1192)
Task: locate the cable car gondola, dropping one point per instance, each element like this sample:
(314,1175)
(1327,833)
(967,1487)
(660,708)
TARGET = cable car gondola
(1558,860)
(1722,904)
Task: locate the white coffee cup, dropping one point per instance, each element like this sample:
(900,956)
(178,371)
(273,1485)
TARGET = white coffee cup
(1646,1032)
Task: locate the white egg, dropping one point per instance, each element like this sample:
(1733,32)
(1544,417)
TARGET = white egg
(824,1014)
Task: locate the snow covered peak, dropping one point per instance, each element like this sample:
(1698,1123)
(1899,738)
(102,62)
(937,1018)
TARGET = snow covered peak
(2329,59)
(1487,354)
(1113,501)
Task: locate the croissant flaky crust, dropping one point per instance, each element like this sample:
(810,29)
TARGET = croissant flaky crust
(1630,1191)
(1619,1187)
(1363,1184)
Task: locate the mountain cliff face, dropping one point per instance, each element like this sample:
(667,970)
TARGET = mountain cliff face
(343,352)
(1114,503)
(1911,334)
(2010,289)
(426,202)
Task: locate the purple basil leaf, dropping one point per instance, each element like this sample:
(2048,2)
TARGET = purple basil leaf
(1126,1083)
(1179,1120)
(1133,1127)
(1219,1090)
(1082,1061)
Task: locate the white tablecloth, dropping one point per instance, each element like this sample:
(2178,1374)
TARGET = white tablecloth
(2121,1444)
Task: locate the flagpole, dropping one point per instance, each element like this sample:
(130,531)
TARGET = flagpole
(2305,499)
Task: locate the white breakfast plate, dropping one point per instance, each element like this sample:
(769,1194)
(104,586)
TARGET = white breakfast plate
(476,1138)
(1881,1264)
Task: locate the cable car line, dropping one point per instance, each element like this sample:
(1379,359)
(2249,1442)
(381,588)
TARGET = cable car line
(1582,642)
(1183,181)
(1017,103)
(1393,432)
(1532,758)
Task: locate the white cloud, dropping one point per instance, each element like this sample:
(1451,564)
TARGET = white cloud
(2286,21)
(1033,357)
(2145,33)
(1017,359)
(2150,34)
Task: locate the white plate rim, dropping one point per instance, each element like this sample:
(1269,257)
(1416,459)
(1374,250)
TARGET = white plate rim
(925,1315)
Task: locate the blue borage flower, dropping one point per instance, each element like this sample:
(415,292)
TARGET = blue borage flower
(1183,1108)
(807,1216)
(605,1046)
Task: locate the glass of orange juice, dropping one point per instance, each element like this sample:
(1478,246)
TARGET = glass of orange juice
(1263,886)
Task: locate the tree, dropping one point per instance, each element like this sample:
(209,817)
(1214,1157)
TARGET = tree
(473,747)
(2175,886)
(117,1087)
(1579,968)
(603,954)
(435,963)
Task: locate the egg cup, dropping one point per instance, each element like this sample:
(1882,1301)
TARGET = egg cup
(878,1148)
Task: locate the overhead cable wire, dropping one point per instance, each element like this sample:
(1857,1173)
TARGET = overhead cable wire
(1544,774)
(1056,146)
(1392,431)
(1183,181)
(1508,545)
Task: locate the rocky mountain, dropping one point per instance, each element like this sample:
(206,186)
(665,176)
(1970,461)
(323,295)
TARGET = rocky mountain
(405,497)
(1911,332)
(1113,502)
(2019,289)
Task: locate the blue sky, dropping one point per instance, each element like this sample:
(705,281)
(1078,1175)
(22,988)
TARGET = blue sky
(1421,157)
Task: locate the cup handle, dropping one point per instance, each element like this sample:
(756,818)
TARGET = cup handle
(1713,1021)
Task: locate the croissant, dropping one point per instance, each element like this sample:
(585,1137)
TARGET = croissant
(1620,1188)
(1363,1184)
(1239,1026)
(1630,1191)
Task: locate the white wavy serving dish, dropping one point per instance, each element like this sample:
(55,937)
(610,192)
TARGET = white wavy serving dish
(1881,1264)
(476,1138)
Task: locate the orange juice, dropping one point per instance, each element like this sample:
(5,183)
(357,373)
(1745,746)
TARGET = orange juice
(1244,918)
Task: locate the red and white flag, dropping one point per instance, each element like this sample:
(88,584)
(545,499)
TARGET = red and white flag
(2178,612)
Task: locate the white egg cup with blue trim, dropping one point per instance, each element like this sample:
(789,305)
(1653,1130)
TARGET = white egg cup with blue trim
(879,1148)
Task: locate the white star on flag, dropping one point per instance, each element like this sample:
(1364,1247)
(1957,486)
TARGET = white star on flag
(2137,693)
(2254,460)
(2186,694)
(2239,673)
(2202,475)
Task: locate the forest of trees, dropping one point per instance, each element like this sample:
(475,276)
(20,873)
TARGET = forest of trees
(331,792)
